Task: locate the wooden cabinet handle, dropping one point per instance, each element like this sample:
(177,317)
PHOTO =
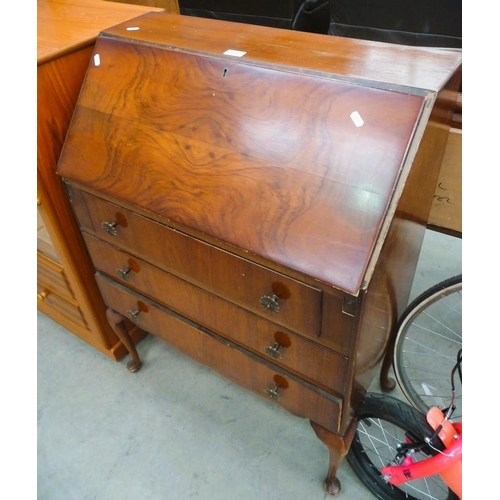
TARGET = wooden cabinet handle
(42,295)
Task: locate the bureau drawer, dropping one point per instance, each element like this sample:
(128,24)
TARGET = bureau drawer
(231,361)
(227,275)
(312,361)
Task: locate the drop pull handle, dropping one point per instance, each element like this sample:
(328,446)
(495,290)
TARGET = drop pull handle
(274,350)
(270,302)
(132,315)
(110,227)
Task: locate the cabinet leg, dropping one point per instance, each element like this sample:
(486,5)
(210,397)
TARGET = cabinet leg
(387,383)
(338,447)
(116,321)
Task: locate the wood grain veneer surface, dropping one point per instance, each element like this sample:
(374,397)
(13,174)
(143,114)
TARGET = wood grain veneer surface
(68,25)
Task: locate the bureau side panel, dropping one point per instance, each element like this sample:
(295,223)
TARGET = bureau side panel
(388,291)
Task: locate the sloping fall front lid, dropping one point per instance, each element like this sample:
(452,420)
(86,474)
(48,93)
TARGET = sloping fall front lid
(293,164)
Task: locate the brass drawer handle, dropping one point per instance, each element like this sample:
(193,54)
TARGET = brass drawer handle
(270,302)
(110,227)
(281,342)
(42,295)
(124,273)
(279,383)
(132,315)
(274,350)
(273,392)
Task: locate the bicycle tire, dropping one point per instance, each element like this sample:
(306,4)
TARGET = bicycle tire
(429,335)
(384,422)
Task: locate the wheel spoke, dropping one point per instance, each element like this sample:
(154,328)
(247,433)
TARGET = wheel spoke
(435,333)
(427,344)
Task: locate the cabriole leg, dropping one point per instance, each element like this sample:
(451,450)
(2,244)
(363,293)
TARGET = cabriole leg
(338,447)
(116,321)
(387,383)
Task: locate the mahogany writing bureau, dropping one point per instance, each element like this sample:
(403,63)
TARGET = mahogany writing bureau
(257,198)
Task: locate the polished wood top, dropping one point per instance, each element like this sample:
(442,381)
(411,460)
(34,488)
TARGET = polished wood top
(67,25)
(297,167)
(389,64)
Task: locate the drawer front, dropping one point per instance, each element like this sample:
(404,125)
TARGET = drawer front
(227,275)
(59,304)
(51,274)
(312,361)
(236,364)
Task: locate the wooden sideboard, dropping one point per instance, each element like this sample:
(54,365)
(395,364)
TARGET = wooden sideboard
(258,197)
(66,287)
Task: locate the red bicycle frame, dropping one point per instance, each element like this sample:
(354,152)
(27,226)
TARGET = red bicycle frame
(447,463)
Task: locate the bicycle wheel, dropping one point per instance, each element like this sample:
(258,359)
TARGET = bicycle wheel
(428,338)
(383,423)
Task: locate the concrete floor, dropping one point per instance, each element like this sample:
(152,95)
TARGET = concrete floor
(176,430)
